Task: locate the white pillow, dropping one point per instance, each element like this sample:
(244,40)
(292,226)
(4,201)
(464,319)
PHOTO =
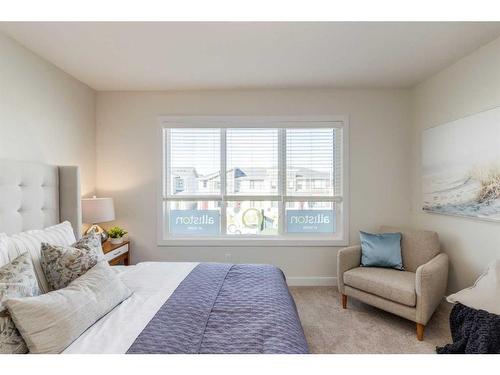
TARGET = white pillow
(484,294)
(4,254)
(51,322)
(30,241)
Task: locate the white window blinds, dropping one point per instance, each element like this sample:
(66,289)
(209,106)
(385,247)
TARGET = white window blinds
(252,161)
(313,159)
(194,157)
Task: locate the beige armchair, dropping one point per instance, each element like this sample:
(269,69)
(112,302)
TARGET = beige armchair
(414,293)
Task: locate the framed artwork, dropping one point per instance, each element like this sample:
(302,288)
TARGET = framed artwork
(461,167)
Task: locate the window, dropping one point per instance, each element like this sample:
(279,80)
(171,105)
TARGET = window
(262,179)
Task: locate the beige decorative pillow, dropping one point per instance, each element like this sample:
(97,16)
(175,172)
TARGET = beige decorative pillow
(485,293)
(63,264)
(51,322)
(17,279)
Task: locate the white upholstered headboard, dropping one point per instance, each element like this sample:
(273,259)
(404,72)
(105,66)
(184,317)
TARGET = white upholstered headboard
(35,196)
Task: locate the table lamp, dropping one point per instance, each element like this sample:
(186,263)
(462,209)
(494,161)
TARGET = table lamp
(97,210)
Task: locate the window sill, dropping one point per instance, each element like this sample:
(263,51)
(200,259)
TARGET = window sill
(252,242)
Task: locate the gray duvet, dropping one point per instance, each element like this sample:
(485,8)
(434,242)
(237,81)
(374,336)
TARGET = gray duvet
(224,308)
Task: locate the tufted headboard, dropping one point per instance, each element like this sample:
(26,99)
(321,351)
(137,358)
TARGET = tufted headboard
(35,196)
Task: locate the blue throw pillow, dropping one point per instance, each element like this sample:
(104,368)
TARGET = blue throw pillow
(381,250)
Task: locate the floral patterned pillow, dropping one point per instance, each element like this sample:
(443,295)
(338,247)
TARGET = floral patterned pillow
(11,341)
(91,241)
(17,280)
(63,264)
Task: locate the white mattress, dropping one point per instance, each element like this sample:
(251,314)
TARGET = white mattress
(153,283)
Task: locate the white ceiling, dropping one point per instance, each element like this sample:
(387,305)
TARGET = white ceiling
(171,56)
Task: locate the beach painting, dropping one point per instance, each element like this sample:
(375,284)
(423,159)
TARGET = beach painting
(461,167)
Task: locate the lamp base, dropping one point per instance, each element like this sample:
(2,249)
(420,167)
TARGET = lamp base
(94,228)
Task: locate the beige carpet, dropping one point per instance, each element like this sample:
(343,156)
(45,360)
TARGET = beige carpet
(362,328)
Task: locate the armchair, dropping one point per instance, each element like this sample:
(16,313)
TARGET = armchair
(414,293)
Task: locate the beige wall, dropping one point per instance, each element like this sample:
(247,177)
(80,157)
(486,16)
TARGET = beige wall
(45,114)
(469,86)
(127,160)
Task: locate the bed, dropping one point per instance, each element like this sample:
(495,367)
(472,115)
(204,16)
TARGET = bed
(174,307)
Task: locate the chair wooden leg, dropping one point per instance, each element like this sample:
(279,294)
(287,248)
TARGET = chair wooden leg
(344,301)
(420,332)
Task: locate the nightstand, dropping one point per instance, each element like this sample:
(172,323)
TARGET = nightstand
(117,254)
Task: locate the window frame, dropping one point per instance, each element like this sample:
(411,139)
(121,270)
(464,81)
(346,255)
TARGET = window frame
(341,238)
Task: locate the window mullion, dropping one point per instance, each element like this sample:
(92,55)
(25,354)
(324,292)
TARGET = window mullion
(313,198)
(223,180)
(233,198)
(166,161)
(281,180)
(165,209)
(193,198)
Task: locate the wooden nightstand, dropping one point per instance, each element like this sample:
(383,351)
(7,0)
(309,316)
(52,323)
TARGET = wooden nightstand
(117,254)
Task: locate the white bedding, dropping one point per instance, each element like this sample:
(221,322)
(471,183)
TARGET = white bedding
(153,283)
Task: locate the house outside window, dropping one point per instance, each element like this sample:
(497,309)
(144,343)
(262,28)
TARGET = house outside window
(179,184)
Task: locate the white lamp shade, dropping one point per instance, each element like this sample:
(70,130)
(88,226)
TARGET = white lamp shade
(97,210)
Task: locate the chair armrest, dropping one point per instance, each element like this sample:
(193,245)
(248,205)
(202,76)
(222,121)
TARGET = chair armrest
(347,258)
(430,285)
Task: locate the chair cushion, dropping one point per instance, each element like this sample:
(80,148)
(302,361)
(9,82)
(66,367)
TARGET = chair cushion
(394,285)
(417,246)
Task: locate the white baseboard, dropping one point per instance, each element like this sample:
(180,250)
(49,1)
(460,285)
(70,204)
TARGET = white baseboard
(311,281)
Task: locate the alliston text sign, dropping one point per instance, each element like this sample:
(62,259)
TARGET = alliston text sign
(310,221)
(194,222)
